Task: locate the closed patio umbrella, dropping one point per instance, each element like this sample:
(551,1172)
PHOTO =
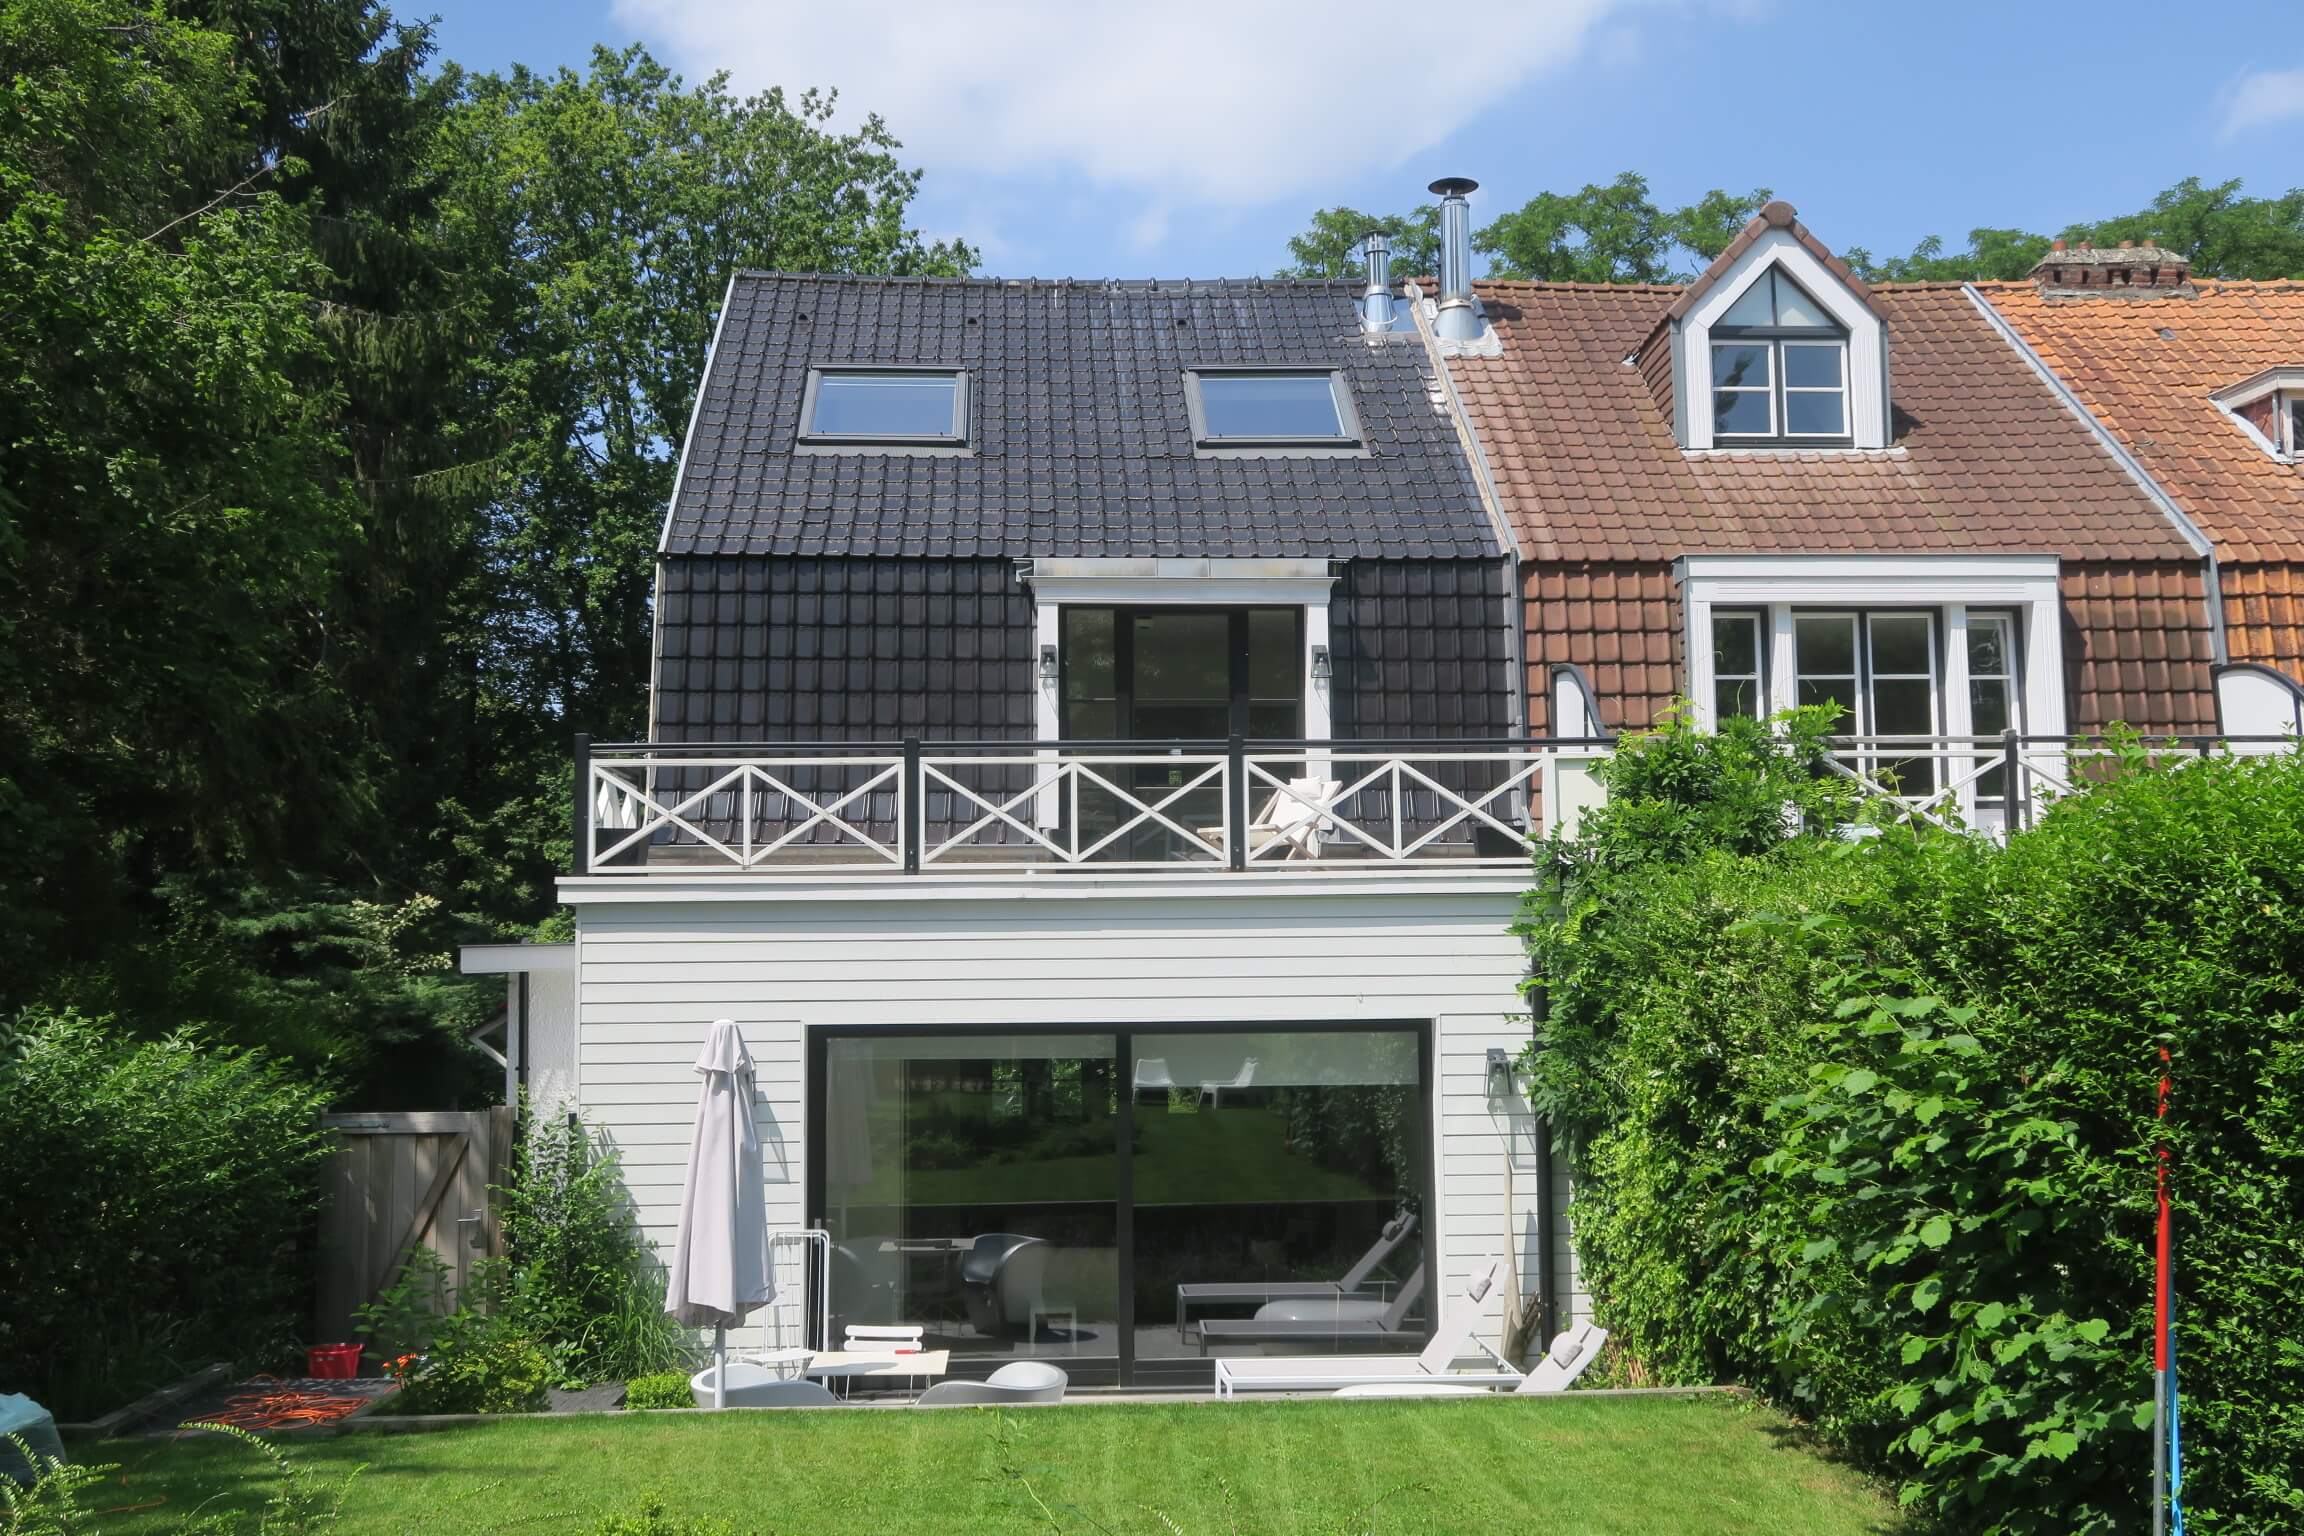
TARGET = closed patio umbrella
(720,1266)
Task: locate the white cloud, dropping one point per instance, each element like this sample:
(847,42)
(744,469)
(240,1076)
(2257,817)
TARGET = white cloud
(1190,102)
(2263,97)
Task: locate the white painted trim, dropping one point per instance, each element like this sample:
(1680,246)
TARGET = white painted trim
(2028,584)
(505,959)
(1252,884)
(2248,391)
(1203,583)
(695,408)
(1867,339)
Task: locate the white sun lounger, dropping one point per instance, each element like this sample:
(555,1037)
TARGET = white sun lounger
(1451,1341)
(1224,1292)
(1570,1353)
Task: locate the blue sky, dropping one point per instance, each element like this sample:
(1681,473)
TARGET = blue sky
(1192,137)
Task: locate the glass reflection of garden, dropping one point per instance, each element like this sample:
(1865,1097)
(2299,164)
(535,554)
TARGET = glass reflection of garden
(1265,1157)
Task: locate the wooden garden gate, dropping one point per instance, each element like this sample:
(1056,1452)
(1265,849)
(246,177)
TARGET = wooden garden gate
(400,1181)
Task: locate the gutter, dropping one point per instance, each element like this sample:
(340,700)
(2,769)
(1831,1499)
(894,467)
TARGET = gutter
(1515,600)
(2201,544)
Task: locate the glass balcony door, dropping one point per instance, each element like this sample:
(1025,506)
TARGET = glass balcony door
(1166,674)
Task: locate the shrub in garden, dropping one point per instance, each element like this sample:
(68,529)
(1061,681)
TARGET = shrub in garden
(659,1389)
(1868,1123)
(157,1211)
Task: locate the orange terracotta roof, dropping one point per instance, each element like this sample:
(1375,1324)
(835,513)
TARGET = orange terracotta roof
(2145,367)
(1985,458)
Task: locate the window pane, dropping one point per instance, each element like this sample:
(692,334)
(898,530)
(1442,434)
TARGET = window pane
(1087,653)
(1262,405)
(971,1185)
(1734,699)
(1817,415)
(1808,365)
(1756,305)
(1825,645)
(1987,647)
(1735,645)
(1275,665)
(1184,658)
(2296,425)
(1274,722)
(1795,308)
(884,405)
(1740,412)
(1278,1159)
(1900,644)
(1832,690)
(1740,365)
(1988,707)
(1903,707)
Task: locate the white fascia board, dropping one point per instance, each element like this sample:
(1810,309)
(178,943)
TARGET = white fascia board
(2250,390)
(1055,885)
(1930,579)
(695,408)
(1867,336)
(512,959)
(1294,583)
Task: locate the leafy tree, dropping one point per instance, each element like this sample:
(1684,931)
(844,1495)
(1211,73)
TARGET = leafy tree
(1330,246)
(1993,255)
(2224,233)
(1612,234)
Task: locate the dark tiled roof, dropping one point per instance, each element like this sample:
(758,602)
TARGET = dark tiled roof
(1985,458)
(1082,444)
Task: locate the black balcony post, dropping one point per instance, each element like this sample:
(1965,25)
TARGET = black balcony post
(580,856)
(1236,801)
(912,819)
(2011,764)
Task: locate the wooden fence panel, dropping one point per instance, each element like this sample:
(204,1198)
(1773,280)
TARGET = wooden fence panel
(402,1182)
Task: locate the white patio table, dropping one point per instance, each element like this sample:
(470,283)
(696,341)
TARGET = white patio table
(847,1365)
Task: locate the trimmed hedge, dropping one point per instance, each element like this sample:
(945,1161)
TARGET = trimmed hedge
(1868,1124)
(156,1213)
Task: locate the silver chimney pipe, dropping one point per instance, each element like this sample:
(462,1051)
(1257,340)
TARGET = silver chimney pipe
(1457,320)
(1376,298)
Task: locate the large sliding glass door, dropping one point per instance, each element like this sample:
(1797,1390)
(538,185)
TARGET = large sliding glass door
(1127,1203)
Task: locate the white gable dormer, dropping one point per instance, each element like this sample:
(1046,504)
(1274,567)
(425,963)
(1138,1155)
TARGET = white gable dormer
(1777,347)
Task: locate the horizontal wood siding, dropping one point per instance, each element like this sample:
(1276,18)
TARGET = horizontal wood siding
(651,977)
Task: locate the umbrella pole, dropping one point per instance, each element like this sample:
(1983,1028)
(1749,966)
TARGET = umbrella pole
(720,1366)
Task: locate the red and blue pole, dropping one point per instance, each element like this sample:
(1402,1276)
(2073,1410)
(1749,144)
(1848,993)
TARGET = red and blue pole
(2165,1467)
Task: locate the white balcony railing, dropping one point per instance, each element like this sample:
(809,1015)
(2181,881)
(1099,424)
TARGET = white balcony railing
(1230,806)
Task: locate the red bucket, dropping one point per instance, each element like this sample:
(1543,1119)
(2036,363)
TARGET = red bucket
(333,1362)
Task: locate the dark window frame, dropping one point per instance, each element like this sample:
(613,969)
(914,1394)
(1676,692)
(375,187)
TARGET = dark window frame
(1349,438)
(1126,1366)
(1243,697)
(959,437)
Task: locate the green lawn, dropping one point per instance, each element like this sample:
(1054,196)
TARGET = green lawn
(1670,1466)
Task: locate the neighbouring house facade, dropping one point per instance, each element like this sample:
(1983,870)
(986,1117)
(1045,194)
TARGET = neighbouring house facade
(2201,384)
(1096,728)
(1778,486)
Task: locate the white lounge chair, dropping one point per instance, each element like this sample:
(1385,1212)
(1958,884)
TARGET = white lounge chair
(1294,816)
(1451,1341)
(1332,1320)
(1566,1360)
(1019,1381)
(758,1386)
(1224,1292)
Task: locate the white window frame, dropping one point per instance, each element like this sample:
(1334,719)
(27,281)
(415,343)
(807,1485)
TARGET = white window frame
(1139,583)
(2027,586)
(1785,387)
(1865,368)
(2286,387)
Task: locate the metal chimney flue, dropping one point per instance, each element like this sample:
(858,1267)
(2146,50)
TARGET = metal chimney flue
(1376,297)
(1458,319)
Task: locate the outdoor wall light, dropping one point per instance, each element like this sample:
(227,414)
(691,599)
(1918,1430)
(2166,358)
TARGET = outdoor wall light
(1499,1068)
(1321,667)
(1048,662)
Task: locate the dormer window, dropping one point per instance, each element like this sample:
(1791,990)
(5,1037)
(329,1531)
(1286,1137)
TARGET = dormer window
(1779,367)
(1270,409)
(886,408)
(2270,408)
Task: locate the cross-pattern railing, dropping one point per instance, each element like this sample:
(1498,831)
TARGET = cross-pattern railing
(1303,806)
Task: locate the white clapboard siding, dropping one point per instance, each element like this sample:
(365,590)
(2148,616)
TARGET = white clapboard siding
(652,975)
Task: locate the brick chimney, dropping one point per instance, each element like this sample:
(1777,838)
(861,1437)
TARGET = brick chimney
(2143,271)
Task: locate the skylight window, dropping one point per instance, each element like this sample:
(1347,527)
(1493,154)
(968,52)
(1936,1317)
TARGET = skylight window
(1270,408)
(892,407)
